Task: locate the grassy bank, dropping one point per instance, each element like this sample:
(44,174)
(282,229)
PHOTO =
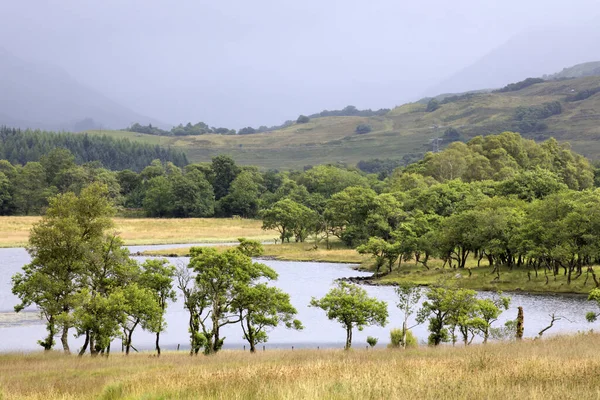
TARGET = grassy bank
(289,252)
(14,231)
(483,278)
(557,368)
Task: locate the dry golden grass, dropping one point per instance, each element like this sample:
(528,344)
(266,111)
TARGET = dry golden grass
(289,252)
(557,368)
(14,231)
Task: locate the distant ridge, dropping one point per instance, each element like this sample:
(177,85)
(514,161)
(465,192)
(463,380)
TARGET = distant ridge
(40,96)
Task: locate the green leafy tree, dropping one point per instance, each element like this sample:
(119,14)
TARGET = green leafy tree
(408,298)
(193,196)
(445,309)
(159,199)
(225,171)
(220,278)
(289,218)
(243,196)
(303,119)
(488,311)
(262,307)
(157,275)
(351,306)
(60,246)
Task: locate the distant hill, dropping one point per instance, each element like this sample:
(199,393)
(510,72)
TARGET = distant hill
(35,95)
(529,54)
(566,109)
(577,71)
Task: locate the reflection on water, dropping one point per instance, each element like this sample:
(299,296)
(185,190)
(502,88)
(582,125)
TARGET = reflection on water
(302,280)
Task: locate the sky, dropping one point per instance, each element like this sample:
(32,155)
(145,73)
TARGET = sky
(243,63)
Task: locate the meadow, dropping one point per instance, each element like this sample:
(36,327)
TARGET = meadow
(553,368)
(14,231)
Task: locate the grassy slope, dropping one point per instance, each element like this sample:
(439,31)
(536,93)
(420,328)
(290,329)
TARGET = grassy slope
(556,368)
(14,231)
(406,129)
(288,252)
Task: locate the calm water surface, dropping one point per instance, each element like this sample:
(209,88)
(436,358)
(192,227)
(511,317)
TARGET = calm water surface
(302,280)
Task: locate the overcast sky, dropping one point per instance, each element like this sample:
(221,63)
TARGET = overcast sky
(260,62)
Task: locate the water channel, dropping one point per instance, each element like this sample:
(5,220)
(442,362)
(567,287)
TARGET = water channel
(302,280)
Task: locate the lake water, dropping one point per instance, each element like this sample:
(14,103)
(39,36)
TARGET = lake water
(302,280)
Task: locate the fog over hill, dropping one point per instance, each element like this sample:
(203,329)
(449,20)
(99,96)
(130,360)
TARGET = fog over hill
(40,95)
(532,53)
(239,63)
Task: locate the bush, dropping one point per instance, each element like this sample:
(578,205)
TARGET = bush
(372,341)
(513,87)
(396,339)
(303,119)
(432,105)
(363,128)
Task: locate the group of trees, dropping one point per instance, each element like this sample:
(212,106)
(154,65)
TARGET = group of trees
(82,279)
(23,146)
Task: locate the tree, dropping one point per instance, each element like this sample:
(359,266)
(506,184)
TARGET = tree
(289,218)
(225,171)
(193,196)
(243,196)
(303,119)
(141,308)
(350,306)
(446,308)
(363,128)
(381,250)
(159,199)
(408,298)
(488,311)
(432,105)
(61,246)
(262,307)
(157,275)
(220,278)
(30,189)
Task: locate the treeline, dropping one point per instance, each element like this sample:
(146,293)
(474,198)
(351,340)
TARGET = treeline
(23,146)
(83,281)
(202,128)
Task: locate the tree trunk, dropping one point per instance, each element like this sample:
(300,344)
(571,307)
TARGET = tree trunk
(64,338)
(348,338)
(158,343)
(129,337)
(404,334)
(85,343)
(520,323)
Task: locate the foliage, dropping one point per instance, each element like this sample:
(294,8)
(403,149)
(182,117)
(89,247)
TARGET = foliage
(432,105)
(303,119)
(372,341)
(363,128)
(349,305)
(20,147)
(513,87)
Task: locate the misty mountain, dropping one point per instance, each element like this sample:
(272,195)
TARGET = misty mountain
(36,95)
(529,54)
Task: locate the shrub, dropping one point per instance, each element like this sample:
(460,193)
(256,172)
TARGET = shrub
(363,128)
(396,338)
(432,105)
(303,119)
(513,87)
(372,341)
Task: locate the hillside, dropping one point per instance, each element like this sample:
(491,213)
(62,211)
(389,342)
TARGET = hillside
(41,96)
(577,71)
(530,53)
(405,131)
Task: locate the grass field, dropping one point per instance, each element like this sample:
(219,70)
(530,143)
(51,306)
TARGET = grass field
(407,129)
(554,368)
(14,231)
